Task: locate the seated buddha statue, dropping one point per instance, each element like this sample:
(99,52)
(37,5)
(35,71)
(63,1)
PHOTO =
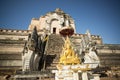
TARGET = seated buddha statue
(68,56)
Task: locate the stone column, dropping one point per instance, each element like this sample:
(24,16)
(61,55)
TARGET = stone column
(75,76)
(84,76)
(67,23)
(56,72)
(96,76)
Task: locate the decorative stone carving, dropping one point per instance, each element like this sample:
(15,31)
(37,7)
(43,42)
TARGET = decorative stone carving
(91,58)
(34,52)
(88,48)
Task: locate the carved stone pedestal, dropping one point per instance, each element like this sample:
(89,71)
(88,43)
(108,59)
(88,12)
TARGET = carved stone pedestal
(70,75)
(66,75)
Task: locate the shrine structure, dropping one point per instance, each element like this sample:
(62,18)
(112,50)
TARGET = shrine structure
(51,45)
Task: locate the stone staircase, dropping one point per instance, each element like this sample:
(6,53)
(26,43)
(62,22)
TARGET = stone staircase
(53,50)
(27,63)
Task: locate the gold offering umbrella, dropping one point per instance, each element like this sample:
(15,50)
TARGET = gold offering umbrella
(66,31)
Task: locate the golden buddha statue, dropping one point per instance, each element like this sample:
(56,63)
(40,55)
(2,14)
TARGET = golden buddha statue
(68,55)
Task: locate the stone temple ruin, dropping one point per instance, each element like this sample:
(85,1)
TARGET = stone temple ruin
(51,49)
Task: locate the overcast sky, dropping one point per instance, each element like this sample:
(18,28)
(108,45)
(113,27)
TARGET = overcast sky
(101,17)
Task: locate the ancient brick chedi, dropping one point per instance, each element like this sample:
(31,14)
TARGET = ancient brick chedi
(49,27)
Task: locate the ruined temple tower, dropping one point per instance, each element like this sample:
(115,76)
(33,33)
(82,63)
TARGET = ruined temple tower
(53,24)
